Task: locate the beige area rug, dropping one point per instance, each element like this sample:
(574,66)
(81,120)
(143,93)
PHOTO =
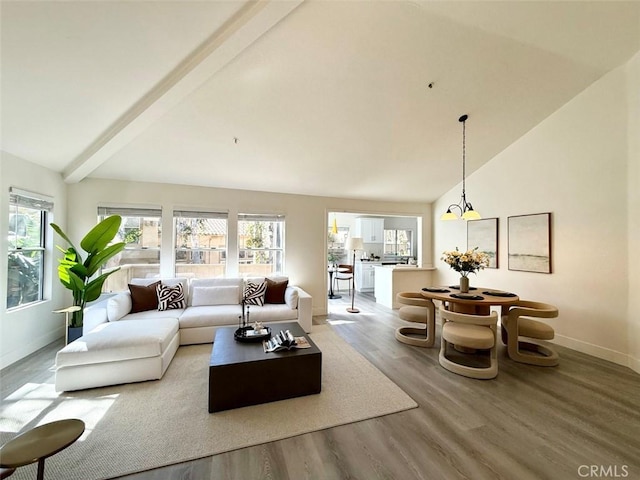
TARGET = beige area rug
(136,427)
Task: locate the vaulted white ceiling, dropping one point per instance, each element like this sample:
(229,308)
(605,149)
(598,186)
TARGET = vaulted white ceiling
(309,97)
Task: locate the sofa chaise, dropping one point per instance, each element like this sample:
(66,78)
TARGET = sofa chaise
(128,340)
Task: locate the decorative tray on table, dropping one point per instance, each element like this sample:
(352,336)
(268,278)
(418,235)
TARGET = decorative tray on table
(457,287)
(249,335)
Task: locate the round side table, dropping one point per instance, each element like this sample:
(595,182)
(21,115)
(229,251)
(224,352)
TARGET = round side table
(40,443)
(6,472)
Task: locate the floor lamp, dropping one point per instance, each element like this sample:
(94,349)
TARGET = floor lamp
(353,243)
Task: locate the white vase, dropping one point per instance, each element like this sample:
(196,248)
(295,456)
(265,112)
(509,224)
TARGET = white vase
(464,284)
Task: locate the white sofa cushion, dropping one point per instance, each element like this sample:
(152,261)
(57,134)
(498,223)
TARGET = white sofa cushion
(215,282)
(123,340)
(225,295)
(153,314)
(118,306)
(272,312)
(210,315)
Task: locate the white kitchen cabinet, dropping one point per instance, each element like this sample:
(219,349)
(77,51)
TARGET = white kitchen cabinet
(370,229)
(365,276)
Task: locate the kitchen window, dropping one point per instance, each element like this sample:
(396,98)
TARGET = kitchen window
(200,243)
(28,217)
(398,242)
(260,244)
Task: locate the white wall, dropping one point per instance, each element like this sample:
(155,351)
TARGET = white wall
(25,330)
(574,164)
(306,220)
(633,216)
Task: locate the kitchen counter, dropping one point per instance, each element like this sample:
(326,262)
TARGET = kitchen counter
(392,279)
(404,267)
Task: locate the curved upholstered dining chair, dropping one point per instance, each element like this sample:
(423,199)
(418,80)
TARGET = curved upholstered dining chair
(517,323)
(471,334)
(416,309)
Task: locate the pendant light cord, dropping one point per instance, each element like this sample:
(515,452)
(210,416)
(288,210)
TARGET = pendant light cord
(466,210)
(464,157)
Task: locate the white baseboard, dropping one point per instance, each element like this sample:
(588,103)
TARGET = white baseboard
(27,349)
(634,364)
(599,352)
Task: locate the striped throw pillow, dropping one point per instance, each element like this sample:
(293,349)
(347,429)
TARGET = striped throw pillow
(170,298)
(254,293)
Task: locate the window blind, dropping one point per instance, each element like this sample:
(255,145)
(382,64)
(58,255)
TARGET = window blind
(198,214)
(130,211)
(250,217)
(23,198)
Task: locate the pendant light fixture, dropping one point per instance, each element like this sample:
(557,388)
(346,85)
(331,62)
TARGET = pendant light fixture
(466,210)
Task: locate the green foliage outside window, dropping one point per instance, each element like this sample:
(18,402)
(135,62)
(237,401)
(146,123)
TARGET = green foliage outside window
(23,282)
(255,239)
(26,249)
(132,236)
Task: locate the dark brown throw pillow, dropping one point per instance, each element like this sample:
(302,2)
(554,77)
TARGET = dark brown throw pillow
(144,297)
(275,291)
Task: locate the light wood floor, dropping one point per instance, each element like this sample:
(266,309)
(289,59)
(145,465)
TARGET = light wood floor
(528,423)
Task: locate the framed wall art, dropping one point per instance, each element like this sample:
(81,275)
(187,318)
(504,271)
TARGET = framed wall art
(530,242)
(484,235)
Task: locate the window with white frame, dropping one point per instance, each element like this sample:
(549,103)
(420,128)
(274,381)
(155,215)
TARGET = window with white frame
(200,243)
(28,214)
(141,231)
(397,242)
(260,244)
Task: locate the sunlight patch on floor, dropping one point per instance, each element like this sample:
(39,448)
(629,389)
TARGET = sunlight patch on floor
(25,405)
(339,322)
(89,410)
(40,403)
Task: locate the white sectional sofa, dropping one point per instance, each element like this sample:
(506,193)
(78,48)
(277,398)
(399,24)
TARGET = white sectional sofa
(122,347)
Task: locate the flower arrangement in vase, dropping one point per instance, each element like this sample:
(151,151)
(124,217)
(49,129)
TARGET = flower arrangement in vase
(465,263)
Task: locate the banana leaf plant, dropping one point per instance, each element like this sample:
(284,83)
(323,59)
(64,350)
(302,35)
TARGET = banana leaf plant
(76,273)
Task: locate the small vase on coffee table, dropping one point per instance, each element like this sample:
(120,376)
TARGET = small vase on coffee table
(464,284)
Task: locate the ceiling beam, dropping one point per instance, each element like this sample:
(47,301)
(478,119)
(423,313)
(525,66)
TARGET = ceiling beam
(253,20)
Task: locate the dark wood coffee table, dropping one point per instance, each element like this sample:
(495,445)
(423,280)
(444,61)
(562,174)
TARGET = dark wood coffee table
(242,374)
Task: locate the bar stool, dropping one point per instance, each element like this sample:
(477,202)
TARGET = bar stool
(40,443)
(344,273)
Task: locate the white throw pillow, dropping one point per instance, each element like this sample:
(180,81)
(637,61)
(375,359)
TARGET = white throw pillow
(229,295)
(118,306)
(291,297)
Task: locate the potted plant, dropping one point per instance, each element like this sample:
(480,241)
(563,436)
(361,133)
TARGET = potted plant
(76,273)
(333,258)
